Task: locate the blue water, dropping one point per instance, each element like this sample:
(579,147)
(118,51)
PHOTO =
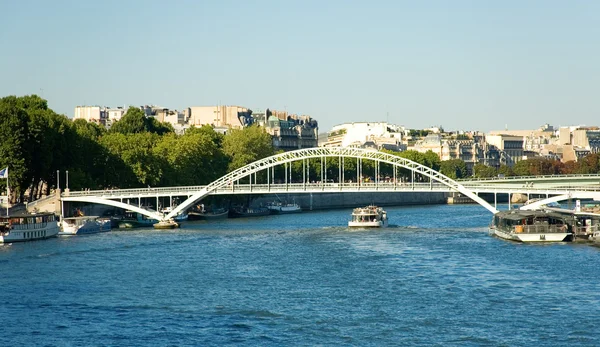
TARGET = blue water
(434,278)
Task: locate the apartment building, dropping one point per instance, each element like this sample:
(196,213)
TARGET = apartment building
(94,114)
(357,134)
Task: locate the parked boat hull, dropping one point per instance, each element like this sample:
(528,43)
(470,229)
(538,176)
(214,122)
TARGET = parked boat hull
(90,226)
(530,237)
(376,224)
(256,212)
(202,216)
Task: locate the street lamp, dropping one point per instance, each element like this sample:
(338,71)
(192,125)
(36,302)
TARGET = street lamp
(67,184)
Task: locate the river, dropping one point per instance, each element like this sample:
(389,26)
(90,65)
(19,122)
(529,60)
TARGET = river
(435,277)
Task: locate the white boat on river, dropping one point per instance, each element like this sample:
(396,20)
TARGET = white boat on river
(283,208)
(27,227)
(84,225)
(368,217)
(531,226)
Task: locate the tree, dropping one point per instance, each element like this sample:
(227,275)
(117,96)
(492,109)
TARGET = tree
(132,122)
(138,164)
(15,149)
(522,168)
(454,168)
(191,159)
(246,146)
(484,171)
(505,170)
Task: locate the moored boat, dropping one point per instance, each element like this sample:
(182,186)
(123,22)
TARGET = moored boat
(368,217)
(283,208)
(531,226)
(133,219)
(17,228)
(180,217)
(84,225)
(212,214)
(240,212)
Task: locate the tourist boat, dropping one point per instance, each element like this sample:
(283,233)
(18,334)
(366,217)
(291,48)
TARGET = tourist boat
(368,217)
(84,225)
(283,208)
(26,227)
(216,213)
(239,212)
(531,226)
(133,219)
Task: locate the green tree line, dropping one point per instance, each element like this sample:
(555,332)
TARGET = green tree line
(139,151)
(136,151)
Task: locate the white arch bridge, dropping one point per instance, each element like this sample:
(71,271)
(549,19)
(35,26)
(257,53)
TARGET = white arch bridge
(260,177)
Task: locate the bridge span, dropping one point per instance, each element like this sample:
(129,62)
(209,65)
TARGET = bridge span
(259,178)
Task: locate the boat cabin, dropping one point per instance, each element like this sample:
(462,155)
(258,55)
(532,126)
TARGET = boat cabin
(520,221)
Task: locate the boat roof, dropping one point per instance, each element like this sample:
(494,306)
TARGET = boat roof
(81,217)
(520,214)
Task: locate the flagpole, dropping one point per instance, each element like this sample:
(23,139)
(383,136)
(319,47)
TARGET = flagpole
(7,193)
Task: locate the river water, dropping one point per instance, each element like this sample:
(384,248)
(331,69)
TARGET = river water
(435,277)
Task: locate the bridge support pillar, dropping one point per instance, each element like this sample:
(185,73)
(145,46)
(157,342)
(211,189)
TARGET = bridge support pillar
(495,200)
(58,205)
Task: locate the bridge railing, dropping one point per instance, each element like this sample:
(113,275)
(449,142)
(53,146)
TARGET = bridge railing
(518,178)
(136,191)
(329,187)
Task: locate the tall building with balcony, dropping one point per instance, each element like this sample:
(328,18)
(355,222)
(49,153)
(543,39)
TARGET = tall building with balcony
(289,131)
(472,151)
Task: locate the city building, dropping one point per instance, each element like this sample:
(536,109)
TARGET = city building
(583,137)
(94,114)
(289,131)
(235,117)
(472,151)
(115,114)
(357,134)
(510,146)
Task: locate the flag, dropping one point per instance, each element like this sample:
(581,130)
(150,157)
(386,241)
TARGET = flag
(4,173)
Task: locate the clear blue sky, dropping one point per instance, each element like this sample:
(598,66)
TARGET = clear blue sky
(461,64)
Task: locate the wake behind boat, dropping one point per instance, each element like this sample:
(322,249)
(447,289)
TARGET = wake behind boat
(368,217)
(84,225)
(25,227)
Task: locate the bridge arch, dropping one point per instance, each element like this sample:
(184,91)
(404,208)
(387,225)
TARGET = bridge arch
(320,152)
(94,200)
(580,195)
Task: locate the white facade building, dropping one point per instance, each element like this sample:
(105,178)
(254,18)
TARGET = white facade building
(95,114)
(115,114)
(217,116)
(357,134)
